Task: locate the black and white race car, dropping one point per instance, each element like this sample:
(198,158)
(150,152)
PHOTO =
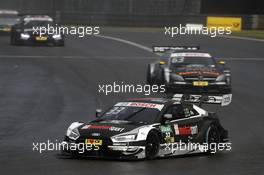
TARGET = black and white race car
(149,128)
(36,30)
(186,69)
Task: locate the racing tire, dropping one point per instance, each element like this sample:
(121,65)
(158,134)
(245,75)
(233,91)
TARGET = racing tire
(152,145)
(212,138)
(150,80)
(60,44)
(13,41)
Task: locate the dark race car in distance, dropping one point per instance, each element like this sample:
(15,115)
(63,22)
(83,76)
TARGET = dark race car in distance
(27,32)
(186,69)
(147,128)
(8,18)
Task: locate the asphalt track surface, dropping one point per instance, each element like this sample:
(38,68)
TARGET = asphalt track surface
(44,89)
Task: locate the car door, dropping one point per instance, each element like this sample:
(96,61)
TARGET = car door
(184,122)
(167,126)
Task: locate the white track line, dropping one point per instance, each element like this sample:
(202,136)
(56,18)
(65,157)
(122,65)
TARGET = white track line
(75,57)
(140,46)
(240,37)
(126,42)
(150,49)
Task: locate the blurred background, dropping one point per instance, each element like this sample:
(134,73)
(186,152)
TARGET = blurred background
(146,13)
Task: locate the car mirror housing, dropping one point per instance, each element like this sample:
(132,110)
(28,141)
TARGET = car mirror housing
(166,118)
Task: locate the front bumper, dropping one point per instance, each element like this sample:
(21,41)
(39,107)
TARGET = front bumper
(118,151)
(188,87)
(48,40)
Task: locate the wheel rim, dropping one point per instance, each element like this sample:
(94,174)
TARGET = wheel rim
(213,136)
(152,146)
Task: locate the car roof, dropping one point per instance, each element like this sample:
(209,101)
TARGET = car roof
(37,18)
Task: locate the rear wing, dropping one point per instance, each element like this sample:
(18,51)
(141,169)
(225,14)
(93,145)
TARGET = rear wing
(8,12)
(223,100)
(162,49)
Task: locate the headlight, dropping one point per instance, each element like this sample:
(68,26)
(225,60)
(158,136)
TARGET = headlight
(124,138)
(73,133)
(56,36)
(167,74)
(24,35)
(221,77)
(176,77)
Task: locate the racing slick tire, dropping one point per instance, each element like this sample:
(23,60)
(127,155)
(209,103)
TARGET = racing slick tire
(212,138)
(152,145)
(13,41)
(60,44)
(150,78)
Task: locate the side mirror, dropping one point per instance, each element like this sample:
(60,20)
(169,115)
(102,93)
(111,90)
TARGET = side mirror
(167,118)
(221,62)
(98,113)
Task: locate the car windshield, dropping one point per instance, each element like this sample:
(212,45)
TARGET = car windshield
(8,21)
(181,61)
(134,114)
(34,23)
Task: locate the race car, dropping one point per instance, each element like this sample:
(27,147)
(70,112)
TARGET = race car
(8,18)
(186,69)
(147,128)
(36,30)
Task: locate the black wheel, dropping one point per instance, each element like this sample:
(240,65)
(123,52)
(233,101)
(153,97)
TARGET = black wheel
(13,40)
(212,138)
(60,44)
(149,76)
(152,145)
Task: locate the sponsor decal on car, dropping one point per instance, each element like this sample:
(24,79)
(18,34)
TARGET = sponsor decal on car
(139,104)
(110,128)
(165,129)
(167,132)
(38,38)
(96,142)
(200,83)
(190,54)
(185,130)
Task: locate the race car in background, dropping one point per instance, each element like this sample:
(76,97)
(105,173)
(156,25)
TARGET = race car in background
(8,18)
(186,69)
(149,128)
(25,33)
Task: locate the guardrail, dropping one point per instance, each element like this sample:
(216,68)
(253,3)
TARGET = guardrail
(144,20)
(147,13)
